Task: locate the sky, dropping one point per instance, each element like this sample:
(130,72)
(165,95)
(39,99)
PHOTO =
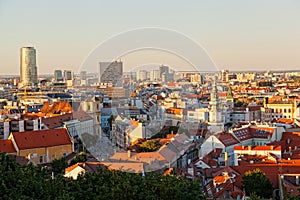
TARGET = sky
(237,35)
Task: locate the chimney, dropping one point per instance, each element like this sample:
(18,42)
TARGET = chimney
(226,158)
(129,153)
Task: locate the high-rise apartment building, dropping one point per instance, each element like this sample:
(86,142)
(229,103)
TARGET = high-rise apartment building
(154,75)
(111,73)
(28,68)
(69,77)
(83,78)
(141,75)
(58,76)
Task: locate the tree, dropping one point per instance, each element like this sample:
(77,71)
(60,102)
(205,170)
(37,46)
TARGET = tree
(150,146)
(256,182)
(240,104)
(253,196)
(82,157)
(58,166)
(31,182)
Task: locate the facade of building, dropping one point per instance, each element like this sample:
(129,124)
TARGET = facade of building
(58,76)
(141,75)
(28,68)
(111,73)
(282,109)
(216,123)
(69,77)
(154,75)
(83,78)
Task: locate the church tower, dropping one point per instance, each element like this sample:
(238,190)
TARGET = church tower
(229,98)
(215,116)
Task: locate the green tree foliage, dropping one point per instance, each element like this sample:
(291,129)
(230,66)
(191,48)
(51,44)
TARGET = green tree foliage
(240,104)
(32,182)
(150,145)
(58,166)
(253,196)
(166,130)
(82,157)
(256,182)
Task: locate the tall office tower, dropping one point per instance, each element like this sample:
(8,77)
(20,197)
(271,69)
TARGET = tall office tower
(141,75)
(83,78)
(69,77)
(154,75)
(111,73)
(58,76)
(28,68)
(164,73)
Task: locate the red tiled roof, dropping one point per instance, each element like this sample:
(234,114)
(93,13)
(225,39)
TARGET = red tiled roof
(253,108)
(271,171)
(214,154)
(57,121)
(228,139)
(41,138)
(7,146)
(258,148)
(222,94)
(253,132)
(289,141)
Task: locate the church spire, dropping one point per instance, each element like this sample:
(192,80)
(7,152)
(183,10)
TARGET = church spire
(229,94)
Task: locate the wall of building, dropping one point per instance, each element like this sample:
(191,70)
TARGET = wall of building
(55,152)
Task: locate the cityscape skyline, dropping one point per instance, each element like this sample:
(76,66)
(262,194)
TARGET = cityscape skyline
(258,39)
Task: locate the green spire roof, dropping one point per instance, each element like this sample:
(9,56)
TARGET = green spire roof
(229,93)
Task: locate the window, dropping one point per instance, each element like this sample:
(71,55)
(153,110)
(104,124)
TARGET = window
(41,159)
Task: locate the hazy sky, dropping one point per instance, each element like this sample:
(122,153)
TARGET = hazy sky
(238,35)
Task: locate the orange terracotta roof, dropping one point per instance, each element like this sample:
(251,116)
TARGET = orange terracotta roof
(7,146)
(137,157)
(41,138)
(258,148)
(220,179)
(56,107)
(134,123)
(81,116)
(285,121)
(170,84)
(68,169)
(134,167)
